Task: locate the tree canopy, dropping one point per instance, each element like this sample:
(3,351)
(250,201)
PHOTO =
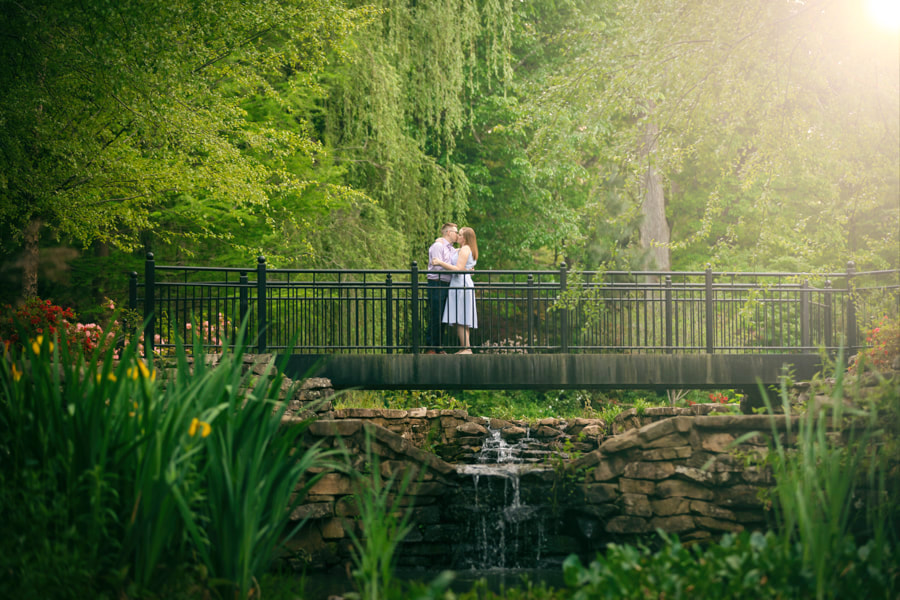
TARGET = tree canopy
(777,126)
(342,134)
(113,111)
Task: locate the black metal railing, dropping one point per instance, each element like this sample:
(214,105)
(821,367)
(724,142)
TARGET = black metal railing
(551,311)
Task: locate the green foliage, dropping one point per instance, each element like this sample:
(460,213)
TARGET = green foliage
(746,565)
(125,480)
(399,399)
(828,490)
(394,111)
(882,345)
(525,404)
(246,469)
(763,139)
(41,555)
(110,112)
(433,399)
(383,522)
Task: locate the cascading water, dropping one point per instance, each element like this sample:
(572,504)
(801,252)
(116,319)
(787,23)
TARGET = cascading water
(501,529)
(525,449)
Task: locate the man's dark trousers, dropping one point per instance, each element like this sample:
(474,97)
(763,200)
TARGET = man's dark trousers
(437,296)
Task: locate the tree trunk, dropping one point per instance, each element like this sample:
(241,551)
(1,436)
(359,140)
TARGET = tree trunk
(101,279)
(654,227)
(31,258)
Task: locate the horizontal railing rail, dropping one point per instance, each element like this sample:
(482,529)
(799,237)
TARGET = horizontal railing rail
(319,311)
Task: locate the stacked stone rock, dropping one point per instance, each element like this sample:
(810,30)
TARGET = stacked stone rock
(457,437)
(329,509)
(632,419)
(310,398)
(681,475)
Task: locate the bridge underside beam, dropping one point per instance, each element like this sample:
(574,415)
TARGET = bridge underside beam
(553,371)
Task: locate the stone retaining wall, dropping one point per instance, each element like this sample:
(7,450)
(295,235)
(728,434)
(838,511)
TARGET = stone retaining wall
(679,475)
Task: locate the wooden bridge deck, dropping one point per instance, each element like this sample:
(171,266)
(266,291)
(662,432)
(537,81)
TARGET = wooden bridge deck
(554,371)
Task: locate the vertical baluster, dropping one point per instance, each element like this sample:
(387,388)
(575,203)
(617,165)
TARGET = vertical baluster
(563,314)
(669,314)
(133,290)
(852,335)
(828,317)
(389,313)
(149,302)
(804,315)
(414,305)
(709,307)
(261,299)
(243,292)
(529,311)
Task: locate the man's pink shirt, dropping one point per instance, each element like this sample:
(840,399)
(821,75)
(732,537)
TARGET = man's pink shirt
(440,249)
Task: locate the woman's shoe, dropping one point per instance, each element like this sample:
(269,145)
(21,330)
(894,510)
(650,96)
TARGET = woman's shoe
(465,351)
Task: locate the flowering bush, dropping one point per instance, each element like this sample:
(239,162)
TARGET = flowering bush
(38,317)
(718,398)
(210,332)
(882,344)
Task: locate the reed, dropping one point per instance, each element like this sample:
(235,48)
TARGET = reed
(383,522)
(831,471)
(150,481)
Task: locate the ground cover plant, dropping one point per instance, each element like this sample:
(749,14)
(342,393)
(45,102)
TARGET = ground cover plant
(116,483)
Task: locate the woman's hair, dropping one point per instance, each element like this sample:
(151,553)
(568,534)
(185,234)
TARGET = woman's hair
(468,235)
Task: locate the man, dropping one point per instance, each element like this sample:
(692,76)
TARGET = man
(438,286)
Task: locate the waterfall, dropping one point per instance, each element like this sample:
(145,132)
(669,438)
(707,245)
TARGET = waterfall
(500,529)
(496,450)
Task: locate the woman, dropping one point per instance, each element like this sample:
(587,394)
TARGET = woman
(460,308)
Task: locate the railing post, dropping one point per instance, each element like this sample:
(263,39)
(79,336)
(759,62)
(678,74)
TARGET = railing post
(564,313)
(804,315)
(132,290)
(261,315)
(389,313)
(244,296)
(829,324)
(529,309)
(710,346)
(414,307)
(668,314)
(149,303)
(852,341)
(132,299)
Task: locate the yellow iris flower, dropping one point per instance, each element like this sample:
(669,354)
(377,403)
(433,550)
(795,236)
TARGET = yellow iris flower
(204,428)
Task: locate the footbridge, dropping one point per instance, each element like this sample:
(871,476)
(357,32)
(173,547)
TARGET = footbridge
(539,329)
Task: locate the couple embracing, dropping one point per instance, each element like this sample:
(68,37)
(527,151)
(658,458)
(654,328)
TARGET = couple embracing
(451,294)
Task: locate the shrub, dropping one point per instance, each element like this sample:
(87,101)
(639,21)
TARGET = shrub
(37,317)
(882,345)
(130,485)
(752,566)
